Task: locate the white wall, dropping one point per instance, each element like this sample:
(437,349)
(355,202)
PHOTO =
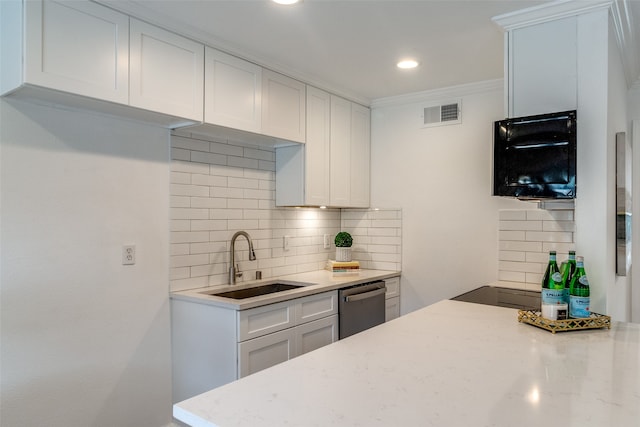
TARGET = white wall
(618,293)
(85,340)
(441,177)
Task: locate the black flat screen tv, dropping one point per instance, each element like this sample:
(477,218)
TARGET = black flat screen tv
(534,157)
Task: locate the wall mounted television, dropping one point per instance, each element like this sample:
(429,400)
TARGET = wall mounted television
(534,157)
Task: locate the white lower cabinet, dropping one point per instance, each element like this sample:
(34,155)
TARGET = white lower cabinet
(392,299)
(263,352)
(214,345)
(277,347)
(313,335)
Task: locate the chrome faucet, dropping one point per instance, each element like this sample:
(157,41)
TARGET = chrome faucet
(233,271)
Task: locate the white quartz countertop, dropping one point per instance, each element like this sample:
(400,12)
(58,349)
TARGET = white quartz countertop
(313,282)
(450,364)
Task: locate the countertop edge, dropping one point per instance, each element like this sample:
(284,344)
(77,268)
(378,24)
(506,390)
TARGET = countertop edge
(315,282)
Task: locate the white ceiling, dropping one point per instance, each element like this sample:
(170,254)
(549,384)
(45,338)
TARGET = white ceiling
(350,47)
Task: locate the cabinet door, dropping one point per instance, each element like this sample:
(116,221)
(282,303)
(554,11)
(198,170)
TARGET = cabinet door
(360,156)
(316,334)
(77,47)
(391,308)
(283,107)
(266,319)
(543,71)
(317,147)
(233,92)
(316,306)
(340,172)
(263,352)
(393,287)
(166,72)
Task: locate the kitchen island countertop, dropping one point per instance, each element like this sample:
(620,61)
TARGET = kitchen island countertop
(449,364)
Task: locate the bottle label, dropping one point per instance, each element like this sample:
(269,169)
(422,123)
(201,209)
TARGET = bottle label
(565,295)
(552,296)
(556,277)
(579,307)
(583,280)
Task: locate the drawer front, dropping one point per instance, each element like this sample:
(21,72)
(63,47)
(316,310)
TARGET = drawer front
(391,308)
(264,320)
(393,287)
(316,334)
(263,352)
(316,307)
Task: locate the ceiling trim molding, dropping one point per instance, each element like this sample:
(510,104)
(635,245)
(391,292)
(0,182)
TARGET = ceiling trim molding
(548,12)
(627,43)
(458,91)
(619,11)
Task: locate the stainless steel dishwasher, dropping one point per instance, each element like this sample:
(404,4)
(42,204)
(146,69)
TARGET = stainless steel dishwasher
(361,307)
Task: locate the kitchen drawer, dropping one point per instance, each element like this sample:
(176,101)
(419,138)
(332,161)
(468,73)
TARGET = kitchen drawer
(316,334)
(316,307)
(263,352)
(393,287)
(391,308)
(265,320)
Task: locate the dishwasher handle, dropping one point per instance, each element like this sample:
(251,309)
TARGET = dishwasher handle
(365,295)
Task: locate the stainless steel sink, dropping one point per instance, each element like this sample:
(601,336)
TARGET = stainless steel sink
(266,289)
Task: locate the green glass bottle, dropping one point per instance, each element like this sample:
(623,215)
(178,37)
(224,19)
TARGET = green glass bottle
(579,298)
(567,274)
(552,286)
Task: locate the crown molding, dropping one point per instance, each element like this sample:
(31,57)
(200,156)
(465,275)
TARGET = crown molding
(450,92)
(619,10)
(548,12)
(623,26)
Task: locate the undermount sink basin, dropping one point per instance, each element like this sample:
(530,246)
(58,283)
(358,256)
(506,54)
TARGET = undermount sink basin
(269,288)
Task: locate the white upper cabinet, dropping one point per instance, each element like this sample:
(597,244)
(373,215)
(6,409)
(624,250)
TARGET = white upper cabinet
(332,168)
(302,171)
(317,147)
(77,47)
(283,107)
(240,95)
(77,53)
(166,72)
(360,157)
(233,95)
(340,152)
(542,66)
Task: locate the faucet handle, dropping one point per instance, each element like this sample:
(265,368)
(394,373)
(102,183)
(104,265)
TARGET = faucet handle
(238,272)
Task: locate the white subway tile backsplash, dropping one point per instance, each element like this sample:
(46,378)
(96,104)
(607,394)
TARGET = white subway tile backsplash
(190,144)
(520,225)
(512,256)
(511,235)
(512,215)
(549,236)
(525,239)
(189,236)
(180,154)
(189,213)
(188,190)
(209,158)
(219,187)
(226,149)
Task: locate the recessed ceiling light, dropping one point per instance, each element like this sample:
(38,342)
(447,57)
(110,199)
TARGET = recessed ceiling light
(406,64)
(286,1)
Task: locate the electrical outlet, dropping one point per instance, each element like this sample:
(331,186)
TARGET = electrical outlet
(285,242)
(326,241)
(128,254)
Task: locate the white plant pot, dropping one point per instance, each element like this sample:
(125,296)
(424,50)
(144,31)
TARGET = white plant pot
(343,254)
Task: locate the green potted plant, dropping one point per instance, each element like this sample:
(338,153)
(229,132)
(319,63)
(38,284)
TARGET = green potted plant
(343,243)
